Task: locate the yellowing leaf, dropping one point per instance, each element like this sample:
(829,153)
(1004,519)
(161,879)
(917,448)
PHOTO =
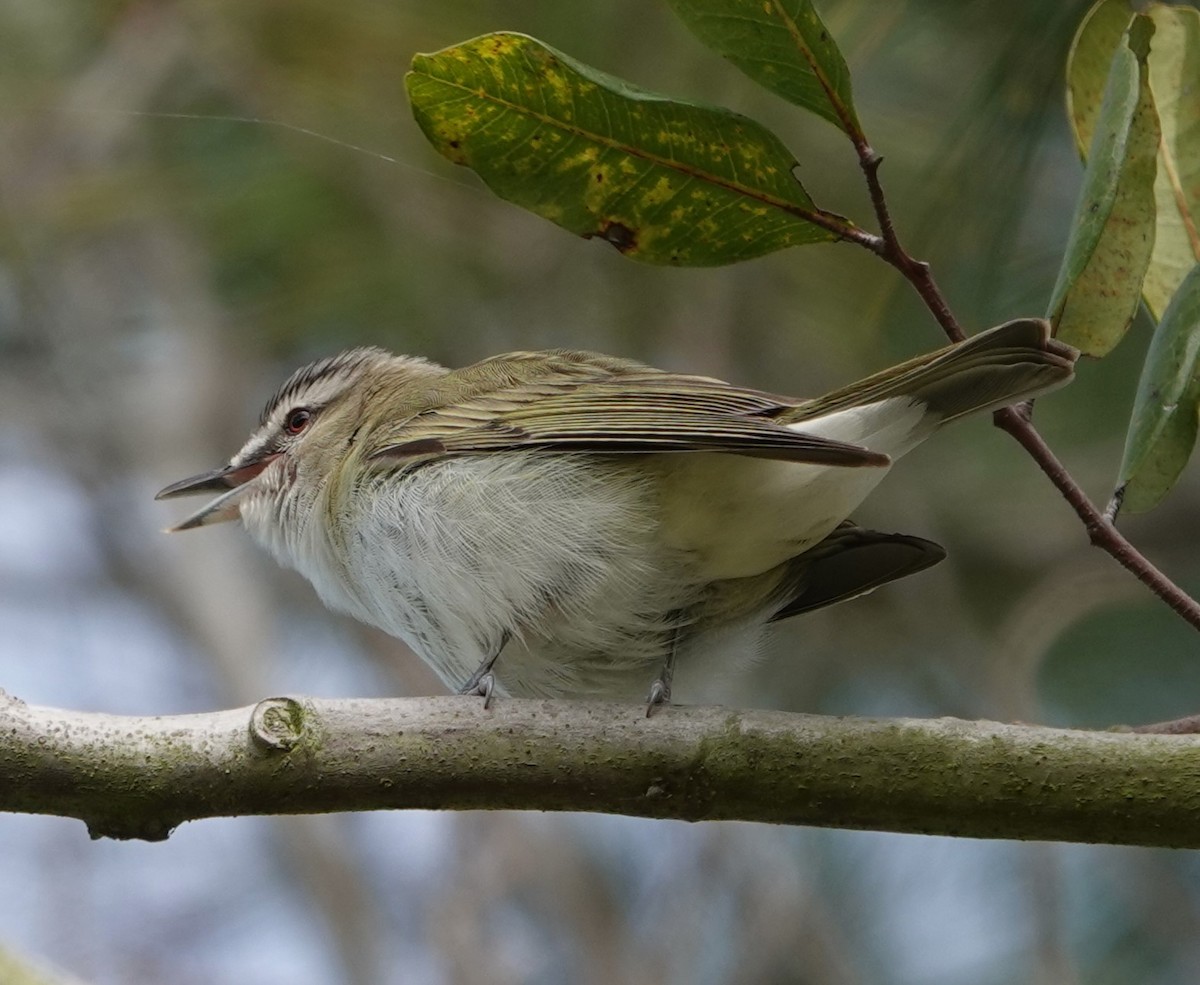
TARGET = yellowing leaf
(1175,82)
(661,180)
(1112,234)
(1091,55)
(1175,86)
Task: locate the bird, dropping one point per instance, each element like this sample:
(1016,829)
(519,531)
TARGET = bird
(563,523)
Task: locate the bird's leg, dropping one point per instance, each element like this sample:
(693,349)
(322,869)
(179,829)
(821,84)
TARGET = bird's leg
(483,681)
(660,690)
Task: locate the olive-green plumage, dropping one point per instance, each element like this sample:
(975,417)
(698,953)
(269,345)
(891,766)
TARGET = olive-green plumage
(581,520)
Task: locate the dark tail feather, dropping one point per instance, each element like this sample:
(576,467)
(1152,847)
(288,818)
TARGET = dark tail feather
(850,562)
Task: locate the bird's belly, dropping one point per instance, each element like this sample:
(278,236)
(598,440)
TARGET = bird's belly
(556,559)
(739,516)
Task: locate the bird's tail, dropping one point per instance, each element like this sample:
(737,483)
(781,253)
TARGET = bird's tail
(1007,364)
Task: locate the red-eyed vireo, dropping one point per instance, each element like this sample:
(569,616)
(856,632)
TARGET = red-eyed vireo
(566,523)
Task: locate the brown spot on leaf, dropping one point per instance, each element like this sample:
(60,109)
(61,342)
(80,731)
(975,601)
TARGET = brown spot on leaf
(619,235)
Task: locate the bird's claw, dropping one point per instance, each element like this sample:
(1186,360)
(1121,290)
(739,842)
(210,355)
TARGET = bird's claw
(660,694)
(483,685)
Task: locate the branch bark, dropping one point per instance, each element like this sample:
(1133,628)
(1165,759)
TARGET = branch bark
(129,777)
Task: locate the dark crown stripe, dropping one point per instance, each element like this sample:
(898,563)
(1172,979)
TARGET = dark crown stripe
(344,364)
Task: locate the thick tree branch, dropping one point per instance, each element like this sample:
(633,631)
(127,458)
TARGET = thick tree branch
(140,777)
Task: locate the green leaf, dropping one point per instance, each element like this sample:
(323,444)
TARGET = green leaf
(1112,234)
(662,181)
(1174,69)
(783,46)
(1102,30)
(1166,411)
(1175,82)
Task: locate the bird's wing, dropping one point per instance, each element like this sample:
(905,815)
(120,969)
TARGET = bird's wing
(584,403)
(851,562)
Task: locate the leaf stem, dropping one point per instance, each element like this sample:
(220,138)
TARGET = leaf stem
(1017,421)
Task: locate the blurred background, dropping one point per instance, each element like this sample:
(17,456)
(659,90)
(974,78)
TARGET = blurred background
(164,263)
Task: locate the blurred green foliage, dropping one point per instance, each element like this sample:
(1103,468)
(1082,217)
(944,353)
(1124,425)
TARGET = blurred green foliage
(312,244)
(285,245)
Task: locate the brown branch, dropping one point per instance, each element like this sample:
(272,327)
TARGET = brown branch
(916,272)
(129,777)
(1102,533)
(1101,529)
(1177,726)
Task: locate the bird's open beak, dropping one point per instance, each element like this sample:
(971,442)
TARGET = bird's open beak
(233,482)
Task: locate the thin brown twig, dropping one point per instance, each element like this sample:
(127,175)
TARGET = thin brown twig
(916,272)
(1102,531)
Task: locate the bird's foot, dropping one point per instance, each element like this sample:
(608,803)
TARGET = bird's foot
(660,694)
(481,683)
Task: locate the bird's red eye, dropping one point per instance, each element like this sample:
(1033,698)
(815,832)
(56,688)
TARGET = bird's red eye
(297,420)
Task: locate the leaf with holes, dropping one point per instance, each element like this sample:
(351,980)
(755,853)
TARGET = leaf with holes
(783,46)
(1174,71)
(663,181)
(1166,411)
(1112,234)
